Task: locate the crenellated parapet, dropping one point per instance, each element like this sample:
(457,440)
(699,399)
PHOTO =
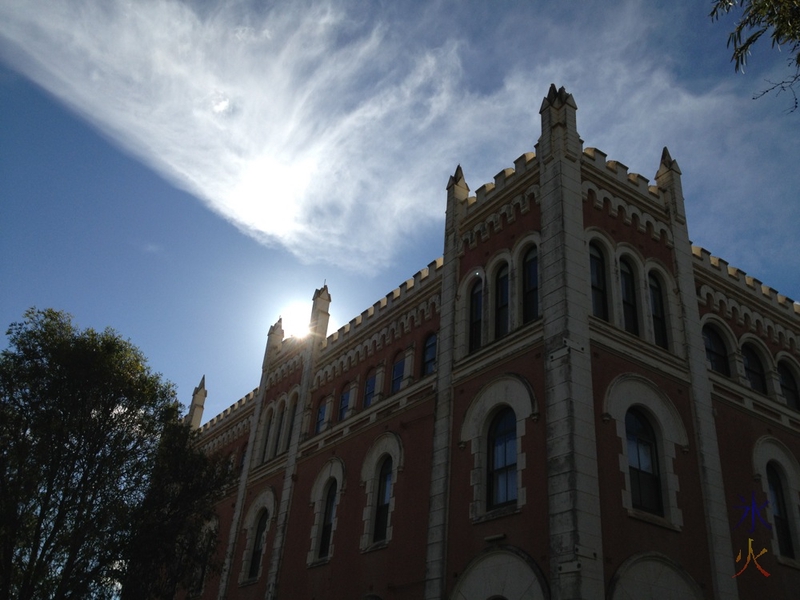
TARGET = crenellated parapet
(228,425)
(744,299)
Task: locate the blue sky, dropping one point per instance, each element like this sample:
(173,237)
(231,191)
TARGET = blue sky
(186,172)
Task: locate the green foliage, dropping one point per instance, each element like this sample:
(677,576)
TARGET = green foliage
(82,419)
(779,18)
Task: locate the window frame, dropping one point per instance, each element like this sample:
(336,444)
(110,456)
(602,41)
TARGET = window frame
(792,399)
(718,353)
(263,504)
(502,301)
(475,316)
(629,296)
(398,373)
(658,310)
(754,370)
(598,275)
(383,500)
(530,285)
(344,402)
(370,382)
(502,430)
(781,519)
(325,516)
(388,445)
(429,354)
(643,441)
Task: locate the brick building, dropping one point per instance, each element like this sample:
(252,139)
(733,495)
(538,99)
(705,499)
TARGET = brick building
(573,402)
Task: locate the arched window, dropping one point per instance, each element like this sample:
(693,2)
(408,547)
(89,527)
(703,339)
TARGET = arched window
(383,498)
(716,350)
(267,429)
(643,463)
(501,303)
(320,417)
(429,355)
(369,388)
(630,311)
(754,369)
(475,315)
(530,286)
(597,265)
(328,515)
(278,430)
(777,502)
(344,402)
(657,311)
(502,464)
(398,367)
(789,387)
(258,546)
(291,415)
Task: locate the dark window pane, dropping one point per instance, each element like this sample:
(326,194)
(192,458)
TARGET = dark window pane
(501,303)
(658,312)
(327,521)
(754,369)
(429,355)
(629,302)
(777,502)
(258,543)
(597,266)
(384,495)
(475,316)
(789,386)
(502,459)
(344,404)
(716,351)
(643,463)
(530,286)
(397,373)
(320,418)
(369,389)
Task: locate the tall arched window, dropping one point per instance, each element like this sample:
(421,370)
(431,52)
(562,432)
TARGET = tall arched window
(383,498)
(754,369)
(369,388)
(258,546)
(501,302)
(597,266)
(328,514)
(530,286)
(630,312)
(279,430)
(502,459)
(398,368)
(291,416)
(429,355)
(716,350)
(777,502)
(344,402)
(658,311)
(320,423)
(789,386)
(475,315)
(643,463)
(267,429)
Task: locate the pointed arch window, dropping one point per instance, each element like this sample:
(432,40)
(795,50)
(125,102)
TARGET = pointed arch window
(429,355)
(501,303)
(383,498)
(267,429)
(657,311)
(716,351)
(530,286)
(643,463)
(630,311)
(328,516)
(789,386)
(754,369)
(475,315)
(258,546)
(597,267)
(780,516)
(502,464)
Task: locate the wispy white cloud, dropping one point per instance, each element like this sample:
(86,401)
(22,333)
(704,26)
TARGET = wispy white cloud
(326,130)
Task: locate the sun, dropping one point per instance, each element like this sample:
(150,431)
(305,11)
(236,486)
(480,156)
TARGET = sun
(296,317)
